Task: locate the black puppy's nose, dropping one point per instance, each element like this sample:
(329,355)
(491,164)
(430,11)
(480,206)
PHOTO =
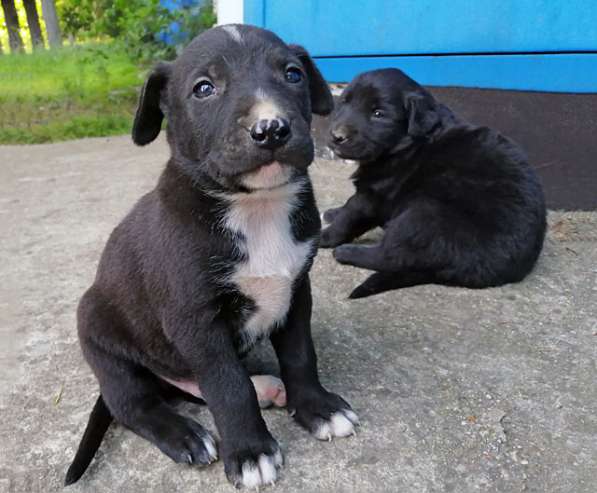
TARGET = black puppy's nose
(338,136)
(271,133)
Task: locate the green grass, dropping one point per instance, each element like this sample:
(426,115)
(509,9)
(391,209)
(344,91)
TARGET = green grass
(74,92)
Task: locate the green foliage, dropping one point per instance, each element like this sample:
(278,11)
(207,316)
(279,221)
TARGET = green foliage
(134,23)
(89,88)
(138,29)
(76,18)
(80,91)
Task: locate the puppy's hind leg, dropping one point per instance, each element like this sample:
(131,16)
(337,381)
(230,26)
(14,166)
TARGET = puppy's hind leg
(131,393)
(269,389)
(385,281)
(366,257)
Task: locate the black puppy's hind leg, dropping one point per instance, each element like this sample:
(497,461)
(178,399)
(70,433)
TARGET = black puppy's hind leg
(385,281)
(392,273)
(365,257)
(132,395)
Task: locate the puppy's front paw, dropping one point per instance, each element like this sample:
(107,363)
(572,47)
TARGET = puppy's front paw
(331,214)
(328,239)
(326,416)
(254,466)
(341,424)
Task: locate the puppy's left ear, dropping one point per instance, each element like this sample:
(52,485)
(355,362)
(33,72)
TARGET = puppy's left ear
(423,114)
(322,102)
(149,116)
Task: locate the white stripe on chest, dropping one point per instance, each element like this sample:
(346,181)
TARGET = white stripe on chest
(273,257)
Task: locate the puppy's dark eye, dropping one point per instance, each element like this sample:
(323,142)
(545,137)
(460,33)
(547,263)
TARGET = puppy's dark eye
(203,88)
(377,113)
(293,75)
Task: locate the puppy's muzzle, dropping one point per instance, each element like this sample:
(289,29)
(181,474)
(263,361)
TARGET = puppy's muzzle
(271,134)
(339,135)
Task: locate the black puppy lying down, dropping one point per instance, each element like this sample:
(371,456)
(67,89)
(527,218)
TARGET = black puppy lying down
(459,204)
(215,258)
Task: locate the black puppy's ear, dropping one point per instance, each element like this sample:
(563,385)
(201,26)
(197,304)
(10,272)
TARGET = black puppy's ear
(423,114)
(149,116)
(322,102)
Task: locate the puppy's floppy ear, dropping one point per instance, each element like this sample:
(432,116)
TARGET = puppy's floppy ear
(149,116)
(322,102)
(423,114)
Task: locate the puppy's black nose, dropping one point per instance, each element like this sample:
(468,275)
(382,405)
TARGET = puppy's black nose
(271,133)
(338,136)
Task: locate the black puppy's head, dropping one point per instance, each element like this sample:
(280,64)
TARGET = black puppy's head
(238,102)
(379,113)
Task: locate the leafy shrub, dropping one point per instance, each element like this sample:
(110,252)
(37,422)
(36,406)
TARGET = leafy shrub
(139,25)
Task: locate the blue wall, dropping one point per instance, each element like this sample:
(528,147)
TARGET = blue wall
(548,45)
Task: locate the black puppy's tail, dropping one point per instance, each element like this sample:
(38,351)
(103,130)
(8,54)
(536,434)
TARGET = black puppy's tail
(99,420)
(384,281)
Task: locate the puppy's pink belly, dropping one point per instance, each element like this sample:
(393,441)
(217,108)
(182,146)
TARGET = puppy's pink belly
(187,386)
(269,389)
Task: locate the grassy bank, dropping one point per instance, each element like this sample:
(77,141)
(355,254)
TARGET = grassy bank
(80,91)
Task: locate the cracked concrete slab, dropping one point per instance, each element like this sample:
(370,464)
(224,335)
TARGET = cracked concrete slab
(457,390)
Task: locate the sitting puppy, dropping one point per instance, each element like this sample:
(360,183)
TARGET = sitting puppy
(459,204)
(215,258)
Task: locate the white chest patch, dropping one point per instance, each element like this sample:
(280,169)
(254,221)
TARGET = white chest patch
(273,257)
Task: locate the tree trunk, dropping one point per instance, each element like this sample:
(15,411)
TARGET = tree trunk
(52,27)
(33,20)
(12,25)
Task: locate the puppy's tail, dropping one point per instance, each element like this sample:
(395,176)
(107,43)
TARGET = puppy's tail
(384,281)
(99,420)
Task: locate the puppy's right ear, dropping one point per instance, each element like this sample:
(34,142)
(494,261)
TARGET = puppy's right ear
(149,116)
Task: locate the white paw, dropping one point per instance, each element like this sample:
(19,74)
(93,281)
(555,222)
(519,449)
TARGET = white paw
(341,424)
(210,447)
(262,473)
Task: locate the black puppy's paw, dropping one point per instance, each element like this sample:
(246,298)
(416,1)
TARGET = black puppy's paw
(331,214)
(254,465)
(326,416)
(185,440)
(345,254)
(329,239)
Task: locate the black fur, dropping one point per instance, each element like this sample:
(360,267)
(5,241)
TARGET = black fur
(161,303)
(459,204)
(99,421)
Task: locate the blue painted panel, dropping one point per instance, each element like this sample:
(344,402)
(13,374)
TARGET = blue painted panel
(254,12)
(393,27)
(558,73)
(480,38)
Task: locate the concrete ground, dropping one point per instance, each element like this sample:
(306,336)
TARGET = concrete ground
(457,390)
